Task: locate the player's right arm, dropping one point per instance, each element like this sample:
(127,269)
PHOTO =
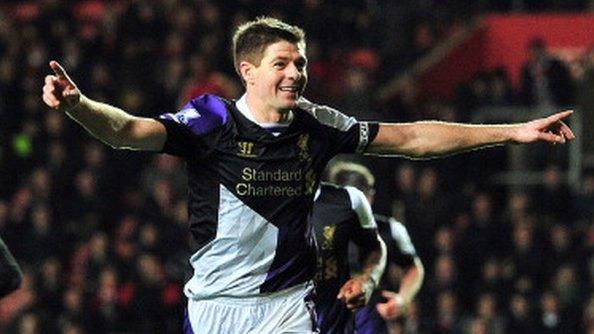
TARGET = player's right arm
(356,292)
(109,124)
(398,302)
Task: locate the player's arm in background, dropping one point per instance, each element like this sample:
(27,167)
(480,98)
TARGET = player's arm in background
(357,291)
(109,124)
(429,139)
(11,276)
(398,302)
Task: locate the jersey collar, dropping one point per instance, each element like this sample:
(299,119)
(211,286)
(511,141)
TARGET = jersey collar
(242,106)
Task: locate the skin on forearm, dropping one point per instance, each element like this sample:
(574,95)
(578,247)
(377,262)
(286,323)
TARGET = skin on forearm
(116,128)
(357,291)
(435,139)
(412,281)
(375,263)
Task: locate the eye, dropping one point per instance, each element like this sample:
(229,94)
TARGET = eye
(279,65)
(301,64)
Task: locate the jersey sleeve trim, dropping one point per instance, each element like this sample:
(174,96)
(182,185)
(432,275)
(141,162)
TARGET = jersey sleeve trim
(400,235)
(367,133)
(201,115)
(327,115)
(361,206)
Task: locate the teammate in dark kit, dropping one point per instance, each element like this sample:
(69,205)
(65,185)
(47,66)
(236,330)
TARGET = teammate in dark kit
(254,165)
(10,272)
(384,305)
(341,215)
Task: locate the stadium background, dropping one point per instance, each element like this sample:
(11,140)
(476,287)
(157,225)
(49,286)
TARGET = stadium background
(506,234)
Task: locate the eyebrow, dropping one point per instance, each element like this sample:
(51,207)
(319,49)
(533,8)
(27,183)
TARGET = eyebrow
(298,60)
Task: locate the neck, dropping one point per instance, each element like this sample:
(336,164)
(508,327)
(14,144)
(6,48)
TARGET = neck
(263,113)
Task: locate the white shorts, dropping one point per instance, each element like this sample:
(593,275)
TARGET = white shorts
(287,311)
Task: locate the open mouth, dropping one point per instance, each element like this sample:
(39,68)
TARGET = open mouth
(290,89)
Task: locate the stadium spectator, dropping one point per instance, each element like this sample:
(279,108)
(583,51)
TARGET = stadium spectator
(546,81)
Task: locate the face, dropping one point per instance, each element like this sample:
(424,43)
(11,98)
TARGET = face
(278,82)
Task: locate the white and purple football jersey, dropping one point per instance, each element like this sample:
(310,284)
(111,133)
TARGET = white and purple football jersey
(250,192)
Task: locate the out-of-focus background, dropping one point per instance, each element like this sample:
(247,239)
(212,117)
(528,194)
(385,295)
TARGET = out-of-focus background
(506,234)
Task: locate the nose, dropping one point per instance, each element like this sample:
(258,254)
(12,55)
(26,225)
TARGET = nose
(293,72)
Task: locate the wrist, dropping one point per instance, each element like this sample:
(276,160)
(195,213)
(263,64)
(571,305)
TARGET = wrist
(513,134)
(368,282)
(78,103)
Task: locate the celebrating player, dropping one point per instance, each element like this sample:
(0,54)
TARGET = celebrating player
(253,167)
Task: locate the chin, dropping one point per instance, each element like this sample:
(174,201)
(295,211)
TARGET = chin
(290,104)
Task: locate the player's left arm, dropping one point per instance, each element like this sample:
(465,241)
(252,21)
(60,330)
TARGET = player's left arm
(398,303)
(357,291)
(429,139)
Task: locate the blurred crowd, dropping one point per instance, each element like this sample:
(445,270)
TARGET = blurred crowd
(102,234)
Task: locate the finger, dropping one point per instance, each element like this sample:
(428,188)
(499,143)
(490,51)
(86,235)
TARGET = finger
(50,91)
(354,305)
(57,68)
(566,131)
(559,116)
(387,294)
(53,101)
(359,300)
(49,79)
(353,296)
(60,71)
(348,295)
(550,138)
(382,309)
(50,103)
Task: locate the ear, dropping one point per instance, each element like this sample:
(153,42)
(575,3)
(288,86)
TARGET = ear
(247,71)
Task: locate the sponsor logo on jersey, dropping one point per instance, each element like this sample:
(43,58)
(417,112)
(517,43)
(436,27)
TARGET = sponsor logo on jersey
(329,231)
(303,145)
(186,115)
(246,149)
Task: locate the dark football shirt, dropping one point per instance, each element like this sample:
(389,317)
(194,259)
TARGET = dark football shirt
(340,215)
(250,192)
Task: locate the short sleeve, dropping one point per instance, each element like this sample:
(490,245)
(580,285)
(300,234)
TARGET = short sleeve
(400,235)
(346,133)
(191,130)
(365,232)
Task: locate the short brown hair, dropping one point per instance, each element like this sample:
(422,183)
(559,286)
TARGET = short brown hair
(252,38)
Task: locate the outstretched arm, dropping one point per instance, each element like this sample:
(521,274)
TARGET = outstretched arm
(433,139)
(109,124)
(397,303)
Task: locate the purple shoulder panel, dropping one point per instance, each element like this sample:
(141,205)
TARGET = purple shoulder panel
(201,114)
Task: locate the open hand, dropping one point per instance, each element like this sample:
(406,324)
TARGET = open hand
(59,91)
(393,308)
(550,129)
